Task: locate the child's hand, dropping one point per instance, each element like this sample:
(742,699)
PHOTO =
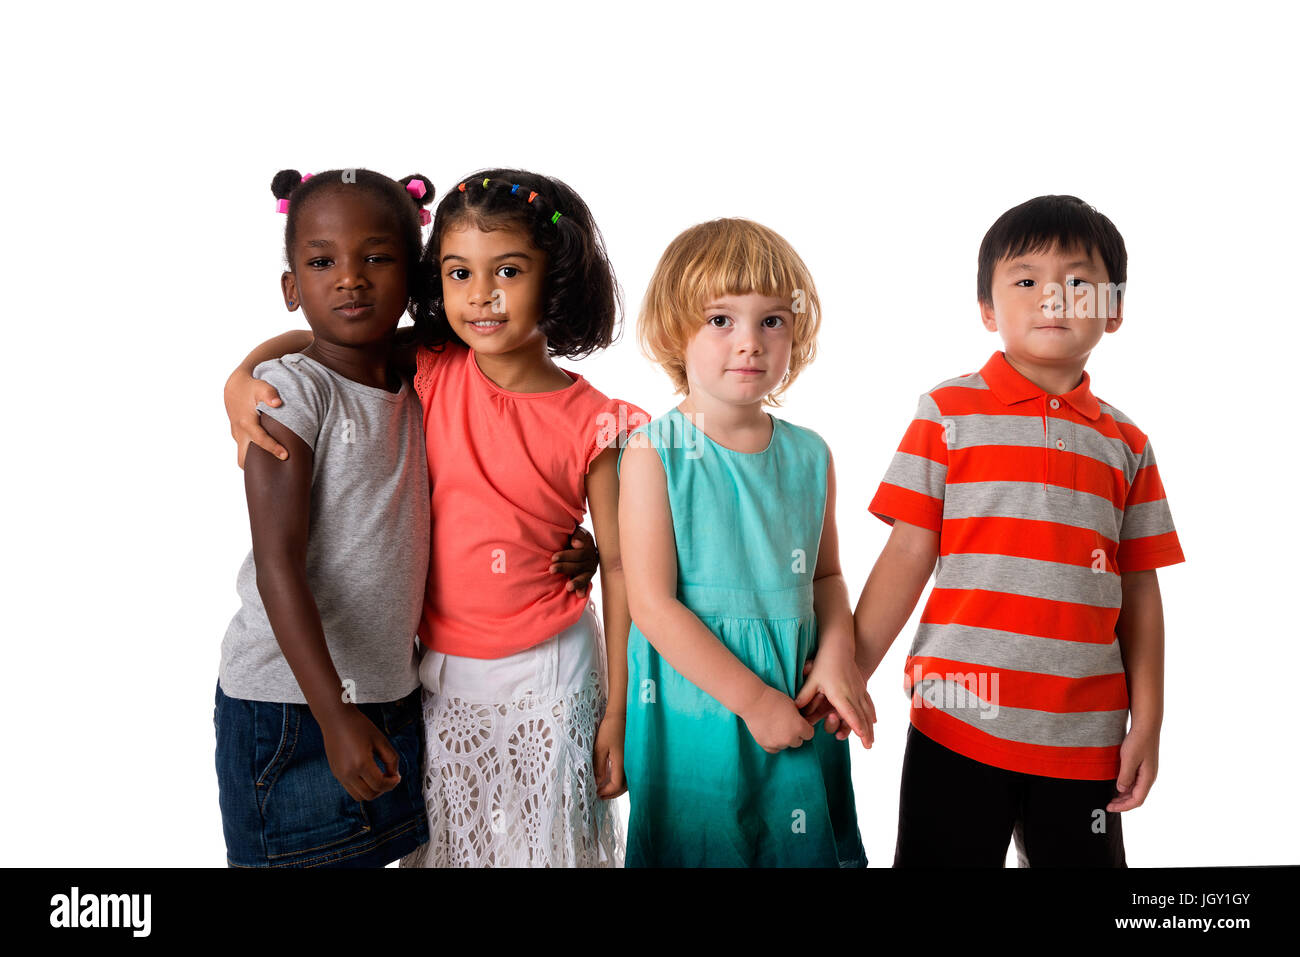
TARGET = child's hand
(579,563)
(835,678)
(819,708)
(775,722)
(242,394)
(351,744)
(1138,757)
(609,756)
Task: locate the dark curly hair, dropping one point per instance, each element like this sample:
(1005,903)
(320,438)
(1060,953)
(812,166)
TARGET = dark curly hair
(581,298)
(403,205)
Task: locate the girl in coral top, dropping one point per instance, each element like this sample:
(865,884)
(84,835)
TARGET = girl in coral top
(522,756)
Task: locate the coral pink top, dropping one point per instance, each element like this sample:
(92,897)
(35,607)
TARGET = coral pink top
(507,473)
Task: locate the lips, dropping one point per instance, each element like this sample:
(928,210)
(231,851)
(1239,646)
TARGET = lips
(354,310)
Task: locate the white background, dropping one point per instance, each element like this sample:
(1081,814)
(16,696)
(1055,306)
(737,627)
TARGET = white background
(143,257)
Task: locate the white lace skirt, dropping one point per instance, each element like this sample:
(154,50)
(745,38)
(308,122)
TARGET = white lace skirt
(508,776)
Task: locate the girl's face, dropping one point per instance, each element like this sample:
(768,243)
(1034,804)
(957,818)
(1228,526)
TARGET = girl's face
(349,269)
(742,351)
(493,283)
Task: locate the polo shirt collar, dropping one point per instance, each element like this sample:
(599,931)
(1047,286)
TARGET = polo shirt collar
(1012,387)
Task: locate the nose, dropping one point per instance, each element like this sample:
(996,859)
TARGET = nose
(352,275)
(480,291)
(750,339)
(1053,301)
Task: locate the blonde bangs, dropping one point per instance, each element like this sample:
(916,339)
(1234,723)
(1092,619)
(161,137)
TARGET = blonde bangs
(724,257)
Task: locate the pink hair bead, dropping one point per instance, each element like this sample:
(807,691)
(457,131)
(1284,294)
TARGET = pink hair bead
(416,188)
(425,218)
(282,206)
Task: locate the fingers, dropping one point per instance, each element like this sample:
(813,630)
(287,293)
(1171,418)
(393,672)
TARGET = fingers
(1135,795)
(806,694)
(806,733)
(262,439)
(611,783)
(388,755)
(850,711)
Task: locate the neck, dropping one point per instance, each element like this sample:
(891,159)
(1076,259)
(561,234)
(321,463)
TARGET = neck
(367,364)
(526,369)
(744,428)
(1054,379)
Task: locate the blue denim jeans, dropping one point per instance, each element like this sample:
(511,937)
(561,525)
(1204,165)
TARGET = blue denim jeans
(281,806)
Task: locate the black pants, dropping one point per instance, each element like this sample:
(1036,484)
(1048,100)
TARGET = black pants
(956,812)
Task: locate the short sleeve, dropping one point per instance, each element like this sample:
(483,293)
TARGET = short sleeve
(426,364)
(1147,536)
(614,421)
(303,397)
(913,487)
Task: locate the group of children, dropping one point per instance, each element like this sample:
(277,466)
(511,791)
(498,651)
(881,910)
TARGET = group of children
(453,699)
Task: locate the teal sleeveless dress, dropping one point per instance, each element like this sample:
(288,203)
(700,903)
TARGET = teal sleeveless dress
(703,793)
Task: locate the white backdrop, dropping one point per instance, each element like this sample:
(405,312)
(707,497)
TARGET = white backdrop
(143,252)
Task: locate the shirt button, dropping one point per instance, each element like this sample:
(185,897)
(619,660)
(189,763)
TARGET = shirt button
(1055,403)
(1060,444)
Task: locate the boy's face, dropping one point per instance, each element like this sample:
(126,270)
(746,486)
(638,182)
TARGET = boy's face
(742,350)
(349,269)
(1051,307)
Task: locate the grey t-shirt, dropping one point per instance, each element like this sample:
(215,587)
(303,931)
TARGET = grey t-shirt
(367,543)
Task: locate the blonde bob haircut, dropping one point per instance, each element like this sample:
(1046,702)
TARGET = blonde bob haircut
(725,257)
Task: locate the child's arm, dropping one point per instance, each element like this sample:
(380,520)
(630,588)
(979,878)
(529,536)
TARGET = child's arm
(892,591)
(1141,630)
(834,674)
(888,599)
(650,564)
(243,392)
(602,498)
(279,497)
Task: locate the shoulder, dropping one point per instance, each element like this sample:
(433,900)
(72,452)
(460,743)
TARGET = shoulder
(432,363)
(803,436)
(294,370)
(1126,428)
(427,357)
(950,391)
(302,382)
(306,389)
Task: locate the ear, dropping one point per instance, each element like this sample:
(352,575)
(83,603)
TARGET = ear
(289,286)
(1114,322)
(988,316)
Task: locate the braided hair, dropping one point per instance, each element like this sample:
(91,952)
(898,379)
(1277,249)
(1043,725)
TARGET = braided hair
(581,297)
(402,204)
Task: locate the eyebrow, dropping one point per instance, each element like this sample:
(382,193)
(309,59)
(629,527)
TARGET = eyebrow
(1077,264)
(722,307)
(514,255)
(368,241)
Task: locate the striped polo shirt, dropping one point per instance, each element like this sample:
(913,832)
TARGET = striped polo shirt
(1040,502)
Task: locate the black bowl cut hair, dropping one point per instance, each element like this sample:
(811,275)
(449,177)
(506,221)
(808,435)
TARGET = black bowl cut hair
(402,205)
(581,299)
(1044,222)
